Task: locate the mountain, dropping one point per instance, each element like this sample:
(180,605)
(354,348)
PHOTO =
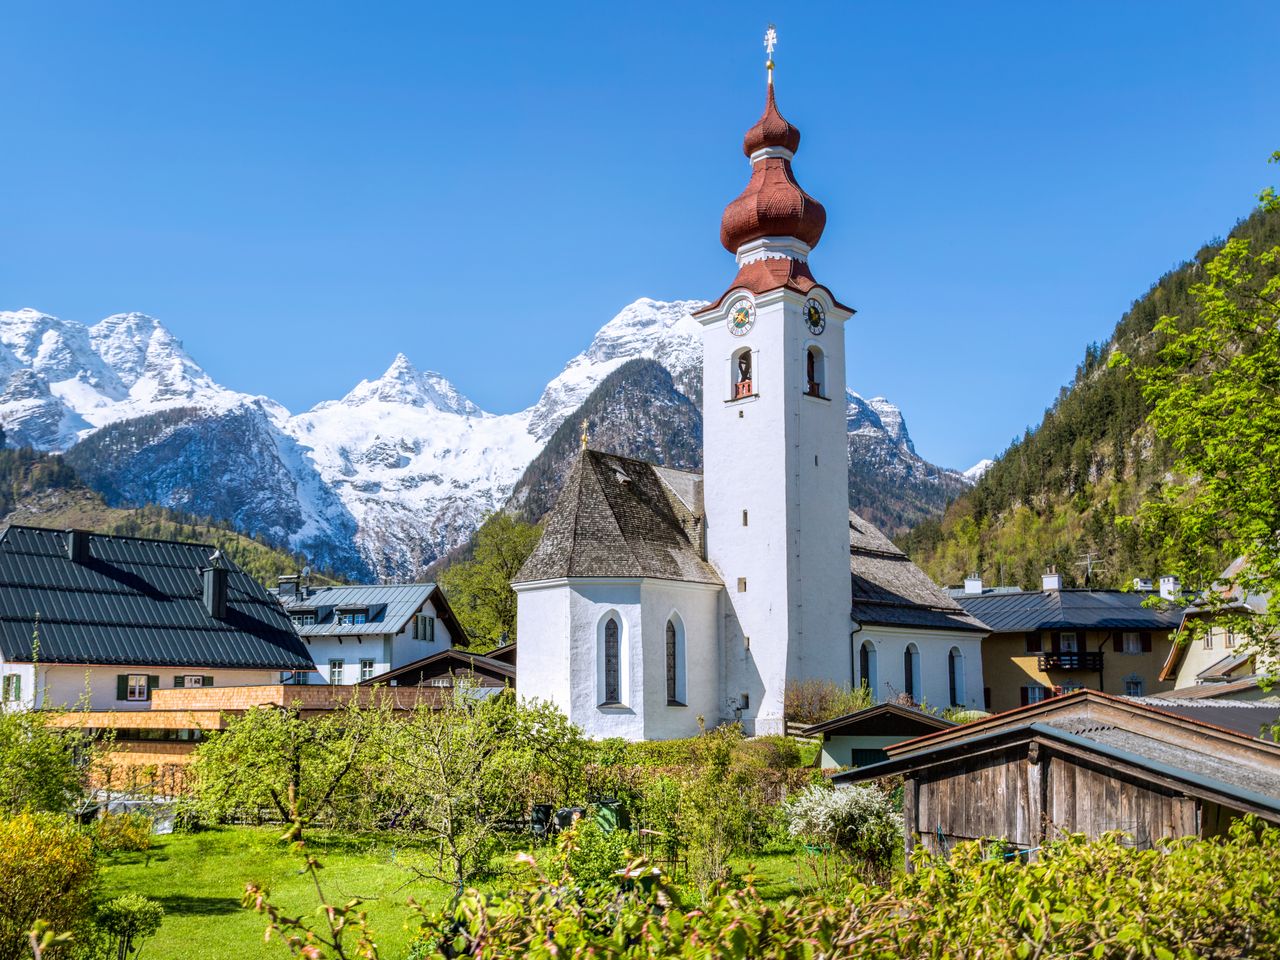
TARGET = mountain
(1053,497)
(401,470)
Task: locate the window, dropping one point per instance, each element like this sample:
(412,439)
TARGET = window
(744,702)
(303,619)
(349,618)
(867,666)
(955,676)
(1034,693)
(1067,643)
(366,669)
(815,372)
(1208,639)
(612,662)
(137,688)
(1070,686)
(1132,643)
(190,680)
(1034,644)
(675,666)
(360,616)
(911,671)
(1230,639)
(744,518)
(1133,686)
(742,584)
(293,676)
(335,671)
(424,627)
(12,688)
(740,374)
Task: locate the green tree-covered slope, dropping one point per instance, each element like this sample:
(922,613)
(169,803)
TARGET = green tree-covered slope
(1053,497)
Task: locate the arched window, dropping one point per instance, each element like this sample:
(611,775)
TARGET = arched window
(955,676)
(867,666)
(911,671)
(815,372)
(612,661)
(675,662)
(740,373)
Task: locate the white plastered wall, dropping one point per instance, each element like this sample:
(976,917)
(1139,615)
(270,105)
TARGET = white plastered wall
(75,685)
(935,648)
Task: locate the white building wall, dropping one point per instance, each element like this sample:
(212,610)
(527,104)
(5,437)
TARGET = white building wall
(388,651)
(695,605)
(542,612)
(935,647)
(75,685)
(25,672)
(781,456)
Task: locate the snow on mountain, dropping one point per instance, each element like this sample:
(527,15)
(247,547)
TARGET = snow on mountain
(974,473)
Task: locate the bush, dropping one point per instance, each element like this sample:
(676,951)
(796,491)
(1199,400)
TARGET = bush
(47,872)
(813,701)
(859,823)
(38,764)
(114,832)
(127,922)
(590,856)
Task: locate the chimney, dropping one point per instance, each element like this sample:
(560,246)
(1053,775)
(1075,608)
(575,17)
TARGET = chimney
(215,592)
(1143,585)
(287,588)
(973,586)
(1051,579)
(78,546)
(1170,588)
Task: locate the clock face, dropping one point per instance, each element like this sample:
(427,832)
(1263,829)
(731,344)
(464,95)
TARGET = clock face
(815,316)
(741,318)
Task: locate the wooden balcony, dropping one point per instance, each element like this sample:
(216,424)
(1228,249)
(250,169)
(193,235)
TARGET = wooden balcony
(1090,660)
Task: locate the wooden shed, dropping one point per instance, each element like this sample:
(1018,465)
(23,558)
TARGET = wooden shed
(1085,763)
(859,739)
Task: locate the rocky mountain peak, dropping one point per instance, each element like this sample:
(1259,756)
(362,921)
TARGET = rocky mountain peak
(403,383)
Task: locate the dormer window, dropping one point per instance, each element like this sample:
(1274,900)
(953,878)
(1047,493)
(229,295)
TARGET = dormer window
(300,619)
(350,618)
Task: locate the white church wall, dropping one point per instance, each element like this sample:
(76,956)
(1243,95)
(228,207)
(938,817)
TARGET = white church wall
(694,605)
(591,603)
(935,646)
(542,613)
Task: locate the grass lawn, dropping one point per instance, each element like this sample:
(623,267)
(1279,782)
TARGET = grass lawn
(199,879)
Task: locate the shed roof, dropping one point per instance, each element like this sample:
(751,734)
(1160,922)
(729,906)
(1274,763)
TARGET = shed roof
(444,664)
(134,601)
(1067,609)
(881,720)
(1252,717)
(889,590)
(619,517)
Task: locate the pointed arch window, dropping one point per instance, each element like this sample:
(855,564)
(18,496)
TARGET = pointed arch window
(955,676)
(911,672)
(867,666)
(612,661)
(675,663)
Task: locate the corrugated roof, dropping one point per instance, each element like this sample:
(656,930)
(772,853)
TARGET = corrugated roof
(389,608)
(619,517)
(1251,717)
(1067,609)
(134,601)
(889,590)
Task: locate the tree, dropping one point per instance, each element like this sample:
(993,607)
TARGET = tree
(128,922)
(479,589)
(274,758)
(47,872)
(1215,395)
(42,768)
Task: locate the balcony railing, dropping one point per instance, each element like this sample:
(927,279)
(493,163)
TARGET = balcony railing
(741,389)
(1090,660)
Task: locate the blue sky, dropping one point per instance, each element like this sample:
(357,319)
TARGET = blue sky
(302,190)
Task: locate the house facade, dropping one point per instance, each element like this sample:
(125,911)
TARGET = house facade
(356,633)
(1055,640)
(658,599)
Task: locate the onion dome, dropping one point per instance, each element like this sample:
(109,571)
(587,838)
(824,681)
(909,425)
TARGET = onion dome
(772,205)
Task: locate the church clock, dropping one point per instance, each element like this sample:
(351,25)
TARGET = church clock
(742,316)
(815,316)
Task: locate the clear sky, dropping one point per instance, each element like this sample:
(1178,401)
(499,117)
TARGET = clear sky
(300,190)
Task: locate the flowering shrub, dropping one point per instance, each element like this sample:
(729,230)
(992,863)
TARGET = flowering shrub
(114,832)
(47,872)
(859,823)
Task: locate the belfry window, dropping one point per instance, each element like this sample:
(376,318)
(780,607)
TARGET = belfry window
(815,373)
(741,374)
(612,662)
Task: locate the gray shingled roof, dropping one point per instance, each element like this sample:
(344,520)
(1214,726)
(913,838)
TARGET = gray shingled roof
(889,590)
(389,608)
(1065,609)
(134,601)
(619,517)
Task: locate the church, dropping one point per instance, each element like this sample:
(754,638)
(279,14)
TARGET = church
(658,598)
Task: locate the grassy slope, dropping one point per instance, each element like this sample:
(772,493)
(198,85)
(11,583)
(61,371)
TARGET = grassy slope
(199,878)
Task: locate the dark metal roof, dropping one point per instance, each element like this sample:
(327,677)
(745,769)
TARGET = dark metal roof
(1252,717)
(1068,609)
(889,590)
(134,601)
(881,720)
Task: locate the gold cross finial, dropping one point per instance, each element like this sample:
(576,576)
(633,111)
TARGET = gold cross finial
(584,434)
(770,41)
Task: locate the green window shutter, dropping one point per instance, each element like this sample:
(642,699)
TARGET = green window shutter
(152,682)
(415,627)
(208,681)
(122,686)
(179,680)
(431,628)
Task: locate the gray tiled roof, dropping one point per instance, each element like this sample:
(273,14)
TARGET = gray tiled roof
(889,590)
(389,608)
(134,601)
(1067,609)
(619,517)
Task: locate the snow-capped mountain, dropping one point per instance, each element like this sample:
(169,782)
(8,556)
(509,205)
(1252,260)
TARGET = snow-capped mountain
(974,473)
(378,483)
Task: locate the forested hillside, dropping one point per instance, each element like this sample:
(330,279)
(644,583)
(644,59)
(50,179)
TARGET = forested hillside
(43,490)
(1054,496)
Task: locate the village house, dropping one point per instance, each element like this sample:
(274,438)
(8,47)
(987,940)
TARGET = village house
(1056,640)
(658,597)
(356,633)
(859,739)
(1086,762)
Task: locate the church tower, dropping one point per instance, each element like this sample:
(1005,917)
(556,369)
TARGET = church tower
(775,448)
